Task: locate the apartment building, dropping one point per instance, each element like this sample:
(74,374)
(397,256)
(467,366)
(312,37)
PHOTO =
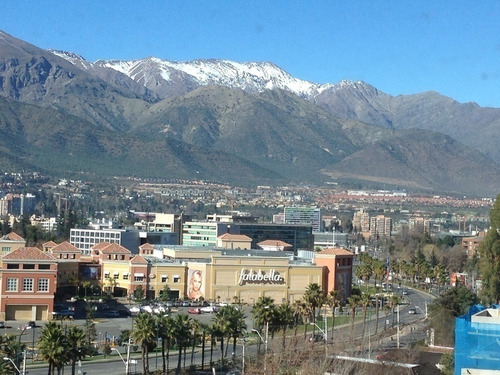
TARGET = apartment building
(470,246)
(361,221)
(380,226)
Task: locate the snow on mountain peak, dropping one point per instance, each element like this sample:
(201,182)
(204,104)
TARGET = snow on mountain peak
(153,72)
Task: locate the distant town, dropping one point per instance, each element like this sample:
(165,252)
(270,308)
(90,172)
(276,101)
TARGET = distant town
(71,247)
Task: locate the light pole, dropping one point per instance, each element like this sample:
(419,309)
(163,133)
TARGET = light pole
(265,344)
(397,328)
(13,364)
(19,345)
(127,362)
(243,358)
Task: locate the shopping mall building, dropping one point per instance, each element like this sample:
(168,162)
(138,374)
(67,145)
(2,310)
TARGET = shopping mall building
(31,278)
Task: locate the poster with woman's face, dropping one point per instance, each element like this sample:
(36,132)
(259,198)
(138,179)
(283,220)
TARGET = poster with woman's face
(196,285)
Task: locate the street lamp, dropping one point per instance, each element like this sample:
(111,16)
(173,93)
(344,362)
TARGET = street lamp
(19,345)
(127,362)
(265,343)
(323,332)
(13,364)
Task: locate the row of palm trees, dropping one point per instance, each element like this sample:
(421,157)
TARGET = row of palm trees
(60,346)
(183,332)
(409,271)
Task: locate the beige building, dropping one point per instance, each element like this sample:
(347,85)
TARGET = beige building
(234,241)
(10,242)
(246,278)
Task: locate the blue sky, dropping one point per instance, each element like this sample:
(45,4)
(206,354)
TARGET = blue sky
(400,47)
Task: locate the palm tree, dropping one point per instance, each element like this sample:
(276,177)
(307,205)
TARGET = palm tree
(379,270)
(237,325)
(285,315)
(182,332)
(353,302)
(264,312)
(222,325)
(52,346)
(365,301)
(76,345)
(364,272)
(144,334)
(204,328)
(394,301)
(10,347)
(195,326)
(165,326)
(315,297)
(333,300)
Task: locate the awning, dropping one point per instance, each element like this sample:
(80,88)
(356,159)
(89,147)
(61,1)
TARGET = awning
(138,274)
(164,276)
(179,276)
(125,274)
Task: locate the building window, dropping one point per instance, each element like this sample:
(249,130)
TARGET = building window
(164,279)
(116,276)
(177,279)
(12,266)
(106,275)
(43,285)
(6,249)
(138,278)
(44,266)
(27,285)
(28,267)
(125,276)
(12,285)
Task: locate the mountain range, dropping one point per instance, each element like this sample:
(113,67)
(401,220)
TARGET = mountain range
(238,123)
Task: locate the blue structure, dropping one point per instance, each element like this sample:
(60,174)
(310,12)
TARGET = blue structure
(477,340)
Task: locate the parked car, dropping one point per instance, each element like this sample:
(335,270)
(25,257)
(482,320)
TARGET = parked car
(412,311)
(186,304)
(209,309)
(112,314)
(194,311)
(31,324)
(2,324)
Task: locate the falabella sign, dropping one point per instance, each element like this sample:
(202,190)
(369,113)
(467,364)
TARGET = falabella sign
(249,276)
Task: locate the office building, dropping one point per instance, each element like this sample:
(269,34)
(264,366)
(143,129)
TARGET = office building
(304,215)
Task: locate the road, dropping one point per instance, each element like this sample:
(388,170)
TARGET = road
(112,327)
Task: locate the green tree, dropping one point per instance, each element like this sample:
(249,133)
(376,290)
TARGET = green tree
(90,334)
(166,331)
(264,312)
(52,346)
(144,334)
(489,260)
(446,308)
(139,293)
(315,297)
(333,300)
(285,319)
(182,335)
(76,346)
(353,302)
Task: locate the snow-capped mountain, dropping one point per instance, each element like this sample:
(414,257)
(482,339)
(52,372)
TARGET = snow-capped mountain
(167,78)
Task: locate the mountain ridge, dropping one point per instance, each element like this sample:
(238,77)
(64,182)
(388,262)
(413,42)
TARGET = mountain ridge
(99,120)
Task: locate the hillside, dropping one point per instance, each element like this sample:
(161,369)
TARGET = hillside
(254,126)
